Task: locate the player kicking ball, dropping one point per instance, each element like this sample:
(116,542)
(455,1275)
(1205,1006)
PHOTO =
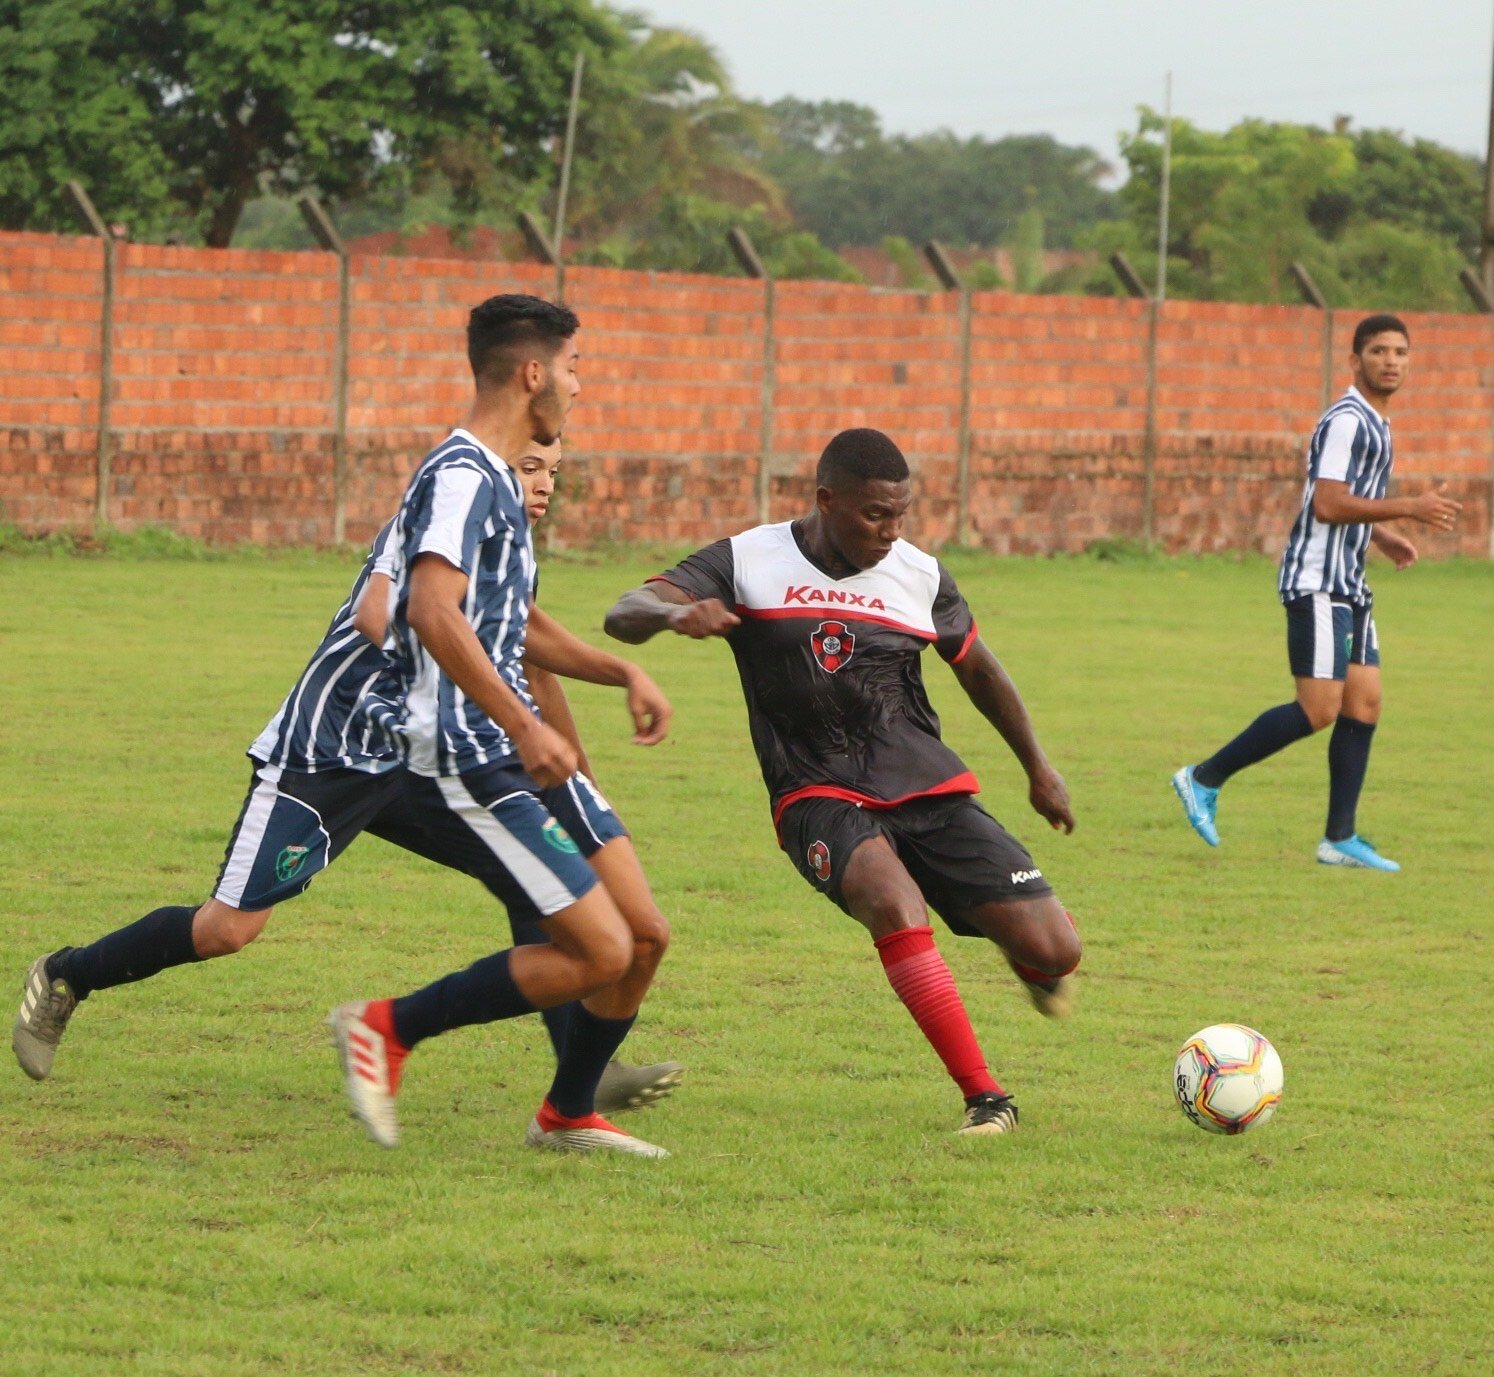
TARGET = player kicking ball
(827,617)
(1332,644)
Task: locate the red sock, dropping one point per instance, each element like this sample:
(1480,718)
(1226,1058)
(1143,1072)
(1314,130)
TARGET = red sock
(918,975)
(379,1015)
(1034,976)
(550,1119)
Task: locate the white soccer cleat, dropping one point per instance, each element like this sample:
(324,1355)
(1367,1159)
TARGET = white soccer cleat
(636,1087)
(592,1135)
(365,1072)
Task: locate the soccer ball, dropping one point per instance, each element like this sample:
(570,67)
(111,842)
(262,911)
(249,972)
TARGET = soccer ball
(1227,1078)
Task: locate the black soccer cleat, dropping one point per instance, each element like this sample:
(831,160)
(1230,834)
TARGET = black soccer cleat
(989,1113)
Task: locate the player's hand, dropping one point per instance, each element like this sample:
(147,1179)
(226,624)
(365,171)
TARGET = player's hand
(699,620)
(1435,508)
(650,708)
(1396,548)
(548,757)
(1049,796)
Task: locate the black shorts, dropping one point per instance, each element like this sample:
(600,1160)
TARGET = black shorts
(959,856)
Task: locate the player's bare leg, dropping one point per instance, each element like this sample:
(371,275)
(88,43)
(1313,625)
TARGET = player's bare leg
(885,899)
(1040,943)
(622,1086)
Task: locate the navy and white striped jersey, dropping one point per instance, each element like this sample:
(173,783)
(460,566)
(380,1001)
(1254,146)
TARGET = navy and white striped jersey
(345,710)
(466,505)
(1350,445)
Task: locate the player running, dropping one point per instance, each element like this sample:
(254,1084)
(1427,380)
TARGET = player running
(1332,644)
(622,1086)
(481,759)
(827,617)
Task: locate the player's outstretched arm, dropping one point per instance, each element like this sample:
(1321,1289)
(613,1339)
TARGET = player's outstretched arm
(660,606)
(437,593)
(550,646)
(1333,503)
(991,689)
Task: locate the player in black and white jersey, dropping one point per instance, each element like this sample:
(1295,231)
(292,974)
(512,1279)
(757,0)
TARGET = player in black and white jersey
(484,767)
(828,617)
(595,828)
(1333,646)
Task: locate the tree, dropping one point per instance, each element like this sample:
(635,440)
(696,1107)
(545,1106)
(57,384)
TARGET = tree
(1374,219)
(852,185)
(225,98)
(58,120)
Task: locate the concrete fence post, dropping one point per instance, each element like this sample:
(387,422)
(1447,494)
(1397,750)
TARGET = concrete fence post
(93,222)
(1312,296)
(951,281)
(751,263)
(325,232)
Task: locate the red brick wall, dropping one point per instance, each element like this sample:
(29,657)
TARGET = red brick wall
(223,412)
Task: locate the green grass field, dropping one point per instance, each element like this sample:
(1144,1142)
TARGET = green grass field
(188,1195)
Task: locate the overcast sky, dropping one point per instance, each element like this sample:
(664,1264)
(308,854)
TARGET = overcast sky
(1077,69)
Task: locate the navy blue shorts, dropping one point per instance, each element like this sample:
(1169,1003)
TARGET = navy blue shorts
(1324,637)
(527,845)
(959,856)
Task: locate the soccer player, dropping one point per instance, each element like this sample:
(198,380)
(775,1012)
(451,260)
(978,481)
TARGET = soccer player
(622,1086)
(1333,647)
(481,759)
(827,617)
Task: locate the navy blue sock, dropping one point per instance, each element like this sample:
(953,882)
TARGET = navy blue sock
(1348,759)
(482,993)
(588,1049)
(557,1020)
(1270,732)
(145,947)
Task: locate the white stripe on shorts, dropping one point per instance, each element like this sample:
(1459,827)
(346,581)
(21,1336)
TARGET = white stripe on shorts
(1322,636)
(535,878)
(251,837)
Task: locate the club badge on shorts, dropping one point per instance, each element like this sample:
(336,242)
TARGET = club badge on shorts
(819,860)
(833,645)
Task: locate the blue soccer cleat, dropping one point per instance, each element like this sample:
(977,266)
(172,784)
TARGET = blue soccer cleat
(1199,803)
(1354,852)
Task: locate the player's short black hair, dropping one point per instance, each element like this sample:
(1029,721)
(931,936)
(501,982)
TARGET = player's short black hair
(506,329)
(854,456)
(1371,326)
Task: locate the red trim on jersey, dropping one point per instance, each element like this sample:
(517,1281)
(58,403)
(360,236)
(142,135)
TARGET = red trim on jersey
(834,610)
(969,641)
(960,784)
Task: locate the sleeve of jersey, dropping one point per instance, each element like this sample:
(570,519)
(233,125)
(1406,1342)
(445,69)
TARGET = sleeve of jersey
(1343,445)
(708,573)
(449,514)
(384,557)
(954,623)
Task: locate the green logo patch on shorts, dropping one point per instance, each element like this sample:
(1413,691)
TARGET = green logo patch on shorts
(289,861)
(559,838)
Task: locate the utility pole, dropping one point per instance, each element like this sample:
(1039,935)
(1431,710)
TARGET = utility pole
(1486,258)
(1166,192)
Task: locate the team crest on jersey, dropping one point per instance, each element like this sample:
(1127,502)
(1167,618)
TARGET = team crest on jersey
(289,861)
(833,645)
(559,838)
(819,860)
